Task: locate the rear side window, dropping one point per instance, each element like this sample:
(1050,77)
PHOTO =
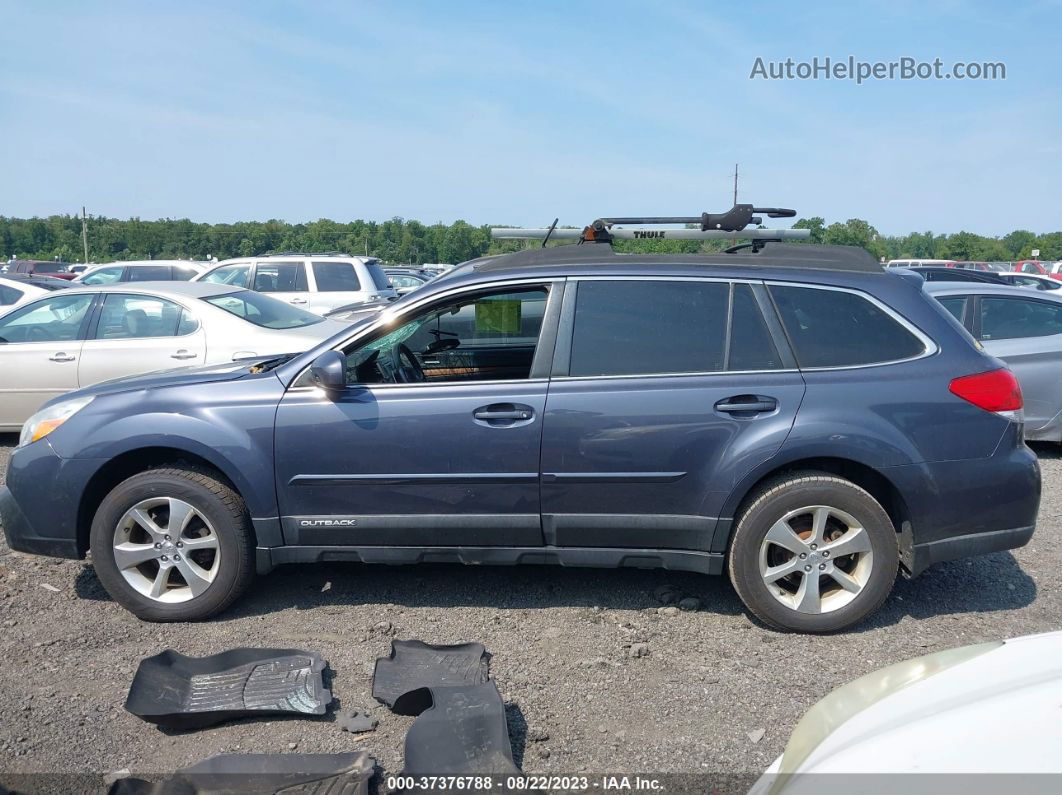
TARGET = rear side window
(956,305)
(751,347)
(642,327)
(150,273)
(335,277)
(831,328)
(1013,318)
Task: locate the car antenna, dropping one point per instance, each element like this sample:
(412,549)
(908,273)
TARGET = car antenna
(549,232)
(706,226)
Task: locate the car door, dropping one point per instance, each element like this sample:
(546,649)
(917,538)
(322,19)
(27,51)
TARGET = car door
(140,333)
(1026,333)
(285,281)
(664,392)
(416,454)
(40,346)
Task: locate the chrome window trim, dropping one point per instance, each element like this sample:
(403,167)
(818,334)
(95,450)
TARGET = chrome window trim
(930,347)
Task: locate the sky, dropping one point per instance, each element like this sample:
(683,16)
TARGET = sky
(509,113)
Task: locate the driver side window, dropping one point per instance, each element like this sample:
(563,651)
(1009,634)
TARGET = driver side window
(56,319)
(483,338)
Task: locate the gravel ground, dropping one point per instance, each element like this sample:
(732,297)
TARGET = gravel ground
(715,693)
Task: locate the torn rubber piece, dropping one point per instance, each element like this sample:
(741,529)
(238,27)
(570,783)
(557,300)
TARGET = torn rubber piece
(179,692)
(414,665)
(235,774)
(462,731)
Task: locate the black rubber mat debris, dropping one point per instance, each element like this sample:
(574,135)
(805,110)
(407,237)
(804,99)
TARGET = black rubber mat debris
(178,692)
(235,774)
(414,665)
(356,720)
(462,731)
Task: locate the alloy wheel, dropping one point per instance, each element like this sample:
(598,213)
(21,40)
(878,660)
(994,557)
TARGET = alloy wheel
(166,550)
(816,559)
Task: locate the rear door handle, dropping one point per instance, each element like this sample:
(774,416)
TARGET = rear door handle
(298,301)
(183,354)
(61,357)
(751,403)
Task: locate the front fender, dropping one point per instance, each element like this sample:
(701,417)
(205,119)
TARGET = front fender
(229,424)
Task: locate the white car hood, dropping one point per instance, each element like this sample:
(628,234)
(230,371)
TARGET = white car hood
(999,712)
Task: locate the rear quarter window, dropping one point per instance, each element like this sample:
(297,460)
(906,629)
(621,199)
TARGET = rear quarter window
(833,328)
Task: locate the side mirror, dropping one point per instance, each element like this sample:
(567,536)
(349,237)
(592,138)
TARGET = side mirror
(329,372)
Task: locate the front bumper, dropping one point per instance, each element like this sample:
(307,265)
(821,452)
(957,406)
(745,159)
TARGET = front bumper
(21,536)
(39,505)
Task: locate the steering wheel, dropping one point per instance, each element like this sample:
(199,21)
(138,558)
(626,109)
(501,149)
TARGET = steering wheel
(409,373)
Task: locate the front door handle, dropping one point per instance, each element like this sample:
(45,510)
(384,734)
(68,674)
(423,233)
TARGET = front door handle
(298,300)
(503,415)
(183,354)
(61,357)
(743,403)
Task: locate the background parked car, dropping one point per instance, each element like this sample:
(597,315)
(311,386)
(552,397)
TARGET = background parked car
(39,267)
(317,283)
(143,271)
(76,269)
(406,280)
(1053,269)
(84,335)
(18,288)
(915,263)
(1024,329)
(1036,281)
(928,716)
(934,274)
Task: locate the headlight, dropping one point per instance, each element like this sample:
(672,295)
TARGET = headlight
(849,700)
(47,420)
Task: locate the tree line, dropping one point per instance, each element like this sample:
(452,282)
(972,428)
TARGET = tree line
(407,241)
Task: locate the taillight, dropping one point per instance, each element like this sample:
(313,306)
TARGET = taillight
(996,390)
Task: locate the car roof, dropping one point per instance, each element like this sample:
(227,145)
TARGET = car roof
(34,279)
(978,288)
(797,256)
(184,289)
(299,255)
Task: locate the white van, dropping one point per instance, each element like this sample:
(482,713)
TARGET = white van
(317,283)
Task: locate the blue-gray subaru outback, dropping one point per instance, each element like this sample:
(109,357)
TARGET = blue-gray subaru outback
(792,414)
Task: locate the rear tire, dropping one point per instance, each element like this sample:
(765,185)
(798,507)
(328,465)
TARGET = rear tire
(813,552)
(173,544)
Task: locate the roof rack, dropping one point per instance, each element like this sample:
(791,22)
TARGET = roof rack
(706,226)
(315,254)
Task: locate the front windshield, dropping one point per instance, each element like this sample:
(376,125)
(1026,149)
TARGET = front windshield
(262,310)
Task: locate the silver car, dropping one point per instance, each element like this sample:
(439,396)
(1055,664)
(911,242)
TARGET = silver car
(1024,329)
(83,335)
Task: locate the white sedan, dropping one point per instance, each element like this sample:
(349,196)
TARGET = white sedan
(989,708)
(1037,281)
(80,336)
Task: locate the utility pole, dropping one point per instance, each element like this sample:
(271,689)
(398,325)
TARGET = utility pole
(84,233)
(734,241)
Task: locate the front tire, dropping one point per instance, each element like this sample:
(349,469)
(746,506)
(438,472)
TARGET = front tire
(173,544)
(813,552)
